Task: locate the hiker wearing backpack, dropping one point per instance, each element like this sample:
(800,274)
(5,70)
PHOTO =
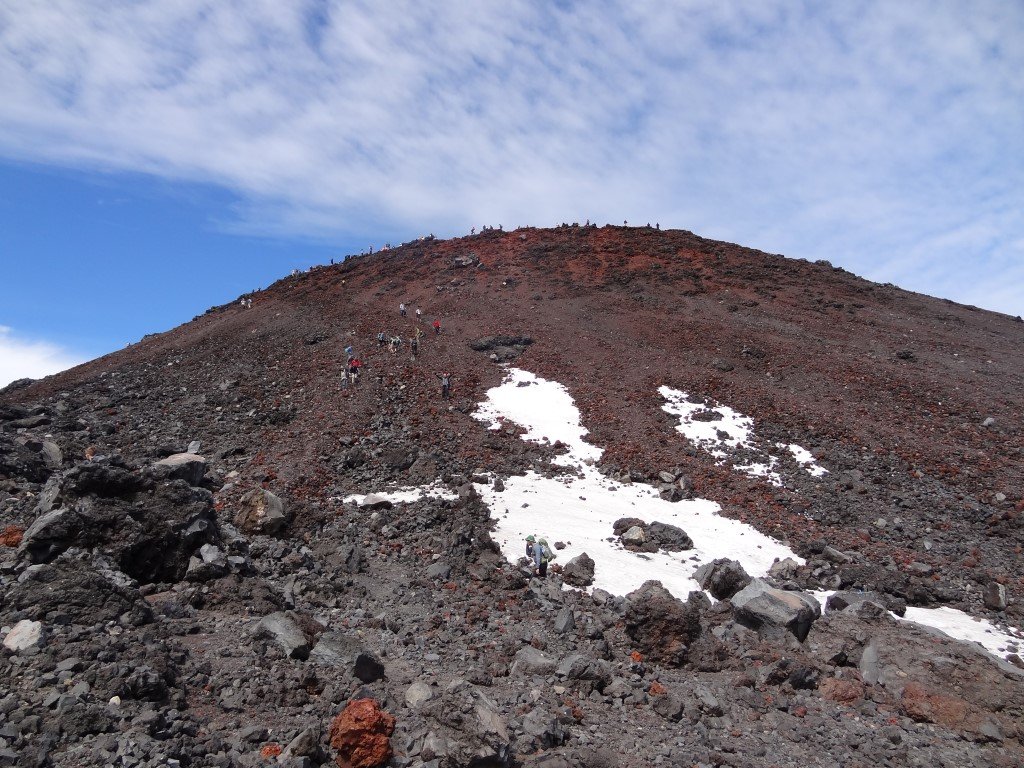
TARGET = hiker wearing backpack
(446,384)
(437,327)
(354,364)
(541,553)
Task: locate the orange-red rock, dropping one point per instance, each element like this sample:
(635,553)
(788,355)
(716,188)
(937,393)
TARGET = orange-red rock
(11,536)
(362,735)
(273,749)
(927,706)
(842,691)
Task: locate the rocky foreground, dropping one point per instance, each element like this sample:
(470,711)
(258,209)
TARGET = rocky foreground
(155,614)
(183,585)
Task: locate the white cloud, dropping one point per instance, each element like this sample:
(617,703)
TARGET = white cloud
(27,358)
(887,137)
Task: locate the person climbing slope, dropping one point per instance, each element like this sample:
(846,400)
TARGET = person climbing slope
(541,554)
(437,327)
(446,384)
(354,365)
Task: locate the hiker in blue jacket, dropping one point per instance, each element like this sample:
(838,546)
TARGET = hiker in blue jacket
(541,554)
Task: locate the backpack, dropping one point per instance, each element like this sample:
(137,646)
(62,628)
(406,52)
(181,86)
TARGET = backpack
(546,553)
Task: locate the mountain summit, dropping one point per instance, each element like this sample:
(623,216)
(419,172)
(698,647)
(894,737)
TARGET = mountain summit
(768,484)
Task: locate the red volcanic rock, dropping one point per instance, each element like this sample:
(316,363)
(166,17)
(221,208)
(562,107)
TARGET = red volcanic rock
(11,536)
(362,735)
(927,706)
(841,691)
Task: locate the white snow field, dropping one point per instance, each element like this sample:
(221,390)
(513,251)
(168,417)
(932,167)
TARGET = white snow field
(720,430)
(579,506)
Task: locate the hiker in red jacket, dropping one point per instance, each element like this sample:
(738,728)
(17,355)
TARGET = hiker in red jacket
(437,327)
(354,364)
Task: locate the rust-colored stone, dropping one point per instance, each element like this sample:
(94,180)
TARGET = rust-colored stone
(841,691)
(362,735)
(271,750)
(657,689)
(927,706)
(11,536)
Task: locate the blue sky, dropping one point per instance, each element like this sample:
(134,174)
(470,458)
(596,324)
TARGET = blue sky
(157,158)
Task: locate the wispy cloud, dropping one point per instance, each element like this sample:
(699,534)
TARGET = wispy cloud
(30,358)
(888,137)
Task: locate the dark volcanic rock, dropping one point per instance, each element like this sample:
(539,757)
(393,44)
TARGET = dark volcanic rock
(764,607)
(579,572)
(76,588)
(670,538)
(722,578)
(662,626)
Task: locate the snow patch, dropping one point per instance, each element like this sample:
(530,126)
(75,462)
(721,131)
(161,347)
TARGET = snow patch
(581,508)
(545,409)
(963,626)
(404,495)
(722,432)
(805,458)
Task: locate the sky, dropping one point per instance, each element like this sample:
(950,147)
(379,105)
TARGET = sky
(159,158)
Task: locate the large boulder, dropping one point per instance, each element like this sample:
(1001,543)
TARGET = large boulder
(577,666)
(764,608)
(530,661)
(361,734)
(722,578)
(623,524)
(260,511)
(189,467)
(294,633)
(661,626)
(25,635)
(19,462)
(579,572)
(339,650)
(843,600)
(79,591)
(634,537)
(671,538)
(50,534)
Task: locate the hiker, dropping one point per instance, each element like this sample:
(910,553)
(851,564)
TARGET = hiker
(419,314)
(381,339)
(437,327)
(401,309)
(446,384)
(414,344)
(396,343)
(541,554)
(354,364)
